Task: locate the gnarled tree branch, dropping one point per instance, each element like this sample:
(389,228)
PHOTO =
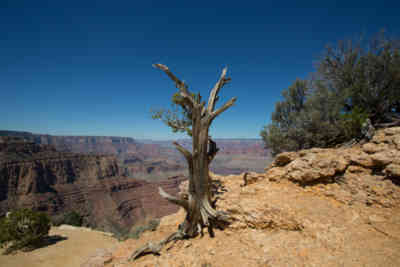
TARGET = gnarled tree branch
(214,93)
(180,202)
(179,84)
(155,248)
(222,109)
(184,151)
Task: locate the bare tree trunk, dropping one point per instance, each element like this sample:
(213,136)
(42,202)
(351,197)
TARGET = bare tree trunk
(200,212)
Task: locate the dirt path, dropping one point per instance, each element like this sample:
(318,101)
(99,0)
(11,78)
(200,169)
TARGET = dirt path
(79,245)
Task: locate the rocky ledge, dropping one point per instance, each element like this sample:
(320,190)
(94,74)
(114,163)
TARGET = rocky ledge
(318,207)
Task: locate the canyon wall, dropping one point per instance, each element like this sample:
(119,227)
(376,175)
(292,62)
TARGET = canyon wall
(38,176)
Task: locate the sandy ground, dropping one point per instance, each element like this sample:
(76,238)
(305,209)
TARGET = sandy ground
(80,243)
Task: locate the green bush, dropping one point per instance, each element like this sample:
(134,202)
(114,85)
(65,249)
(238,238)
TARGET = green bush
(23,229)
(352,84)
(73,218)
(353,122)
(70,218)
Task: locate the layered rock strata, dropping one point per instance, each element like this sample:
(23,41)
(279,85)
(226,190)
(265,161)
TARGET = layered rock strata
(39,177)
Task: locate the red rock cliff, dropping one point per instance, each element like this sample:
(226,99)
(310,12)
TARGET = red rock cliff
(39,177)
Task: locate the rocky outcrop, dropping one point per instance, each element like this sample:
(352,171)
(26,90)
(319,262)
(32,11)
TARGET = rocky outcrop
(39,177)
(318,207)
(367,173)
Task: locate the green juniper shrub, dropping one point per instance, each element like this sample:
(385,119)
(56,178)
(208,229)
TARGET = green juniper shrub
(353,122)
(71,218)
(23,229)
(354,82)
(57,220)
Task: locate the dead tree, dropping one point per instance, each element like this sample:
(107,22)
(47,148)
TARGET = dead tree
(200,211)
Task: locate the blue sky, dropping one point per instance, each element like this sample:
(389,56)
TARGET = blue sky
(84,67)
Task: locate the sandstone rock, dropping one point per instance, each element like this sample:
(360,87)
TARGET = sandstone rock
(98,259)
(284,158)
(276,174)
(393,170)
(357,157)
(283,224)
(392,131)
(396,141)
(386,157)
(358,169)
(371,148)
(316,166)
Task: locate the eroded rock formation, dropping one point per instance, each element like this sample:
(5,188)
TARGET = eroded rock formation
(318,207)
(39,177)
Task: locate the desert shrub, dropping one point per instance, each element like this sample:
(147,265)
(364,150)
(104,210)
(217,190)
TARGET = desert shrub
(366,76)
(308,116)
(352,83)
(23,229)
(353,121)
(71,218)
(57,220)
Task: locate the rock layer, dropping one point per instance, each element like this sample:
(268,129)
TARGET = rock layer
(39,177)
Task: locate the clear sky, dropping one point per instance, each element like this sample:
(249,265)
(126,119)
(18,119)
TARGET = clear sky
(84,67)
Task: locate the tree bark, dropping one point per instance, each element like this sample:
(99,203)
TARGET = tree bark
(199,206)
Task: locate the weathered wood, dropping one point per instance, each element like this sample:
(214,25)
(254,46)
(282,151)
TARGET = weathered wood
(214,92)
(199,206)
(184,151)
(180,202)
(151,248)
(179,84)
(222,109)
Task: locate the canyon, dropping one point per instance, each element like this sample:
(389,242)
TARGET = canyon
(157,160)
(111,181)
(40,177)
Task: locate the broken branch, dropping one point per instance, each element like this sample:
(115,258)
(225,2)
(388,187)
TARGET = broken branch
(222,109)
(155,248)
(214,93)
(179,84)
(184,151)
(180,202)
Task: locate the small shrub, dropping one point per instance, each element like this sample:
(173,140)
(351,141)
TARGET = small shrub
(71,218)
(23,229)
(57,220)
(353,122)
